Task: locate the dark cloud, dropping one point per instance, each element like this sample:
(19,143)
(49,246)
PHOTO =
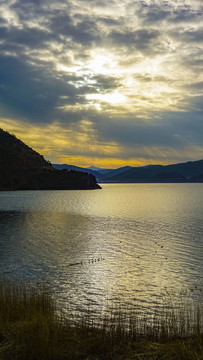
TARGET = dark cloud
(109,21)
(156,14)
(30,37)
(141,39)
(134,132)
(28,9)
(194,61)
(3,21)
(32,92)
(84,32)
(105,83)
(194,87)
(185,16)
(194,35)
(188,36)
(194,103)
(165,129)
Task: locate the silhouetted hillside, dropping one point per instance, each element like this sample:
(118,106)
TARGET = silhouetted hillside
(22,168)
(17,155)
(183,172)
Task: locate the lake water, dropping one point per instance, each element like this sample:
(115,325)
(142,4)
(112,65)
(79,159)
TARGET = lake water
(125,243)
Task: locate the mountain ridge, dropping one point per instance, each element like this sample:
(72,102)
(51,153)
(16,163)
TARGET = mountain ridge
(190,171)
(95,173)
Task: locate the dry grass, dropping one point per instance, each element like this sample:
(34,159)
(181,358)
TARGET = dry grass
(32,329)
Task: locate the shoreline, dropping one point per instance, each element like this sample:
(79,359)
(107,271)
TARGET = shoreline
(31,328)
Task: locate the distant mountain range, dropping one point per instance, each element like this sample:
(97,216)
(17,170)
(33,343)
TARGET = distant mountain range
(99,176)
(22,168)
(191,171)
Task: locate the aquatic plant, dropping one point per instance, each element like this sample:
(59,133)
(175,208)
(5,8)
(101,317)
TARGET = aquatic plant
(31,327)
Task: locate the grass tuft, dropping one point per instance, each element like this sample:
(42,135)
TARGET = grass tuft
(31,328)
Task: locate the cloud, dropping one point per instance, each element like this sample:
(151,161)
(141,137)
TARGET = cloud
(31,92)
(170,130)
(29,37)
(84,31)
(118,78)
(141,39)
(105,83)
(188,36)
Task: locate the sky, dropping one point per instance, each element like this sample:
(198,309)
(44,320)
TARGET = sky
(104,83)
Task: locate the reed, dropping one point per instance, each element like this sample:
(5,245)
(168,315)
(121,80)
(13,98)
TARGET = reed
(31,328)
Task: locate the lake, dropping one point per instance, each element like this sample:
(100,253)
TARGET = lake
(126,243)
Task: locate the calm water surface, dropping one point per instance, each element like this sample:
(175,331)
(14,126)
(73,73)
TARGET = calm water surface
(126,242)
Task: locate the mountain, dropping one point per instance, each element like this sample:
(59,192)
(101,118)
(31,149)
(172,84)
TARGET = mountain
(111,172)
(100,170)
(118,171)
(99,177)
(22,168)
(94,168)
(197,178)
(104,171)
(188,169)
(182,172)
(100,174)
(191,171)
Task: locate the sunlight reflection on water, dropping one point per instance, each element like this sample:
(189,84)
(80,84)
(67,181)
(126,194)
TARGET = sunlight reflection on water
(124,243)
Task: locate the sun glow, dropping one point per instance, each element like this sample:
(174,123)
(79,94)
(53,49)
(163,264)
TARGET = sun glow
(68,69)
(102,62)
(140,78)
(112,98)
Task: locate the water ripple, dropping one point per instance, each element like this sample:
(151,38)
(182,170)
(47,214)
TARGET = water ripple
(127,243)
